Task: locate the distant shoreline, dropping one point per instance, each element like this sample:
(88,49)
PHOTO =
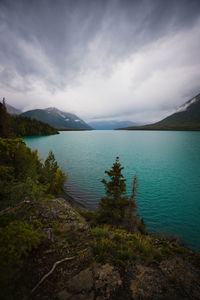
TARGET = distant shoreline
(71,129)
(158,129)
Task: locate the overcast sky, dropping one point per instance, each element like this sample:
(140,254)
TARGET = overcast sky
(132,60)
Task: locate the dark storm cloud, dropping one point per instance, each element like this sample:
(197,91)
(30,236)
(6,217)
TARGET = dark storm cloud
(50,44)
(63,30)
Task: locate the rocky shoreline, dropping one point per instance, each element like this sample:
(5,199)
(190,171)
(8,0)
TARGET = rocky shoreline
(78,274)
(70,199)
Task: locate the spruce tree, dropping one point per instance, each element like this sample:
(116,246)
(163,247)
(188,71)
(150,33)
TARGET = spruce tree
(4,120)
(112,206)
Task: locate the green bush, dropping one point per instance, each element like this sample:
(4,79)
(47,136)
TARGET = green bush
(23,175)
(104,249)
(90,216)
(119,248)
(100,232)
(6,173)
(180,250)
(16,240)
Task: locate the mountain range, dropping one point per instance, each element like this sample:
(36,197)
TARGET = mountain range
(186,117)
(109,125)
(57,118)
(52,116)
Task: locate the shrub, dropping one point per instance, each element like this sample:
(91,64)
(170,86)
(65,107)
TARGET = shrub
(16,239)
(121,248)
(23,175)
(90,216)
(100,232)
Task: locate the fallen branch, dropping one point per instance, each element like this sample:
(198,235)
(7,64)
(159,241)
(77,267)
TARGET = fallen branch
(51,271)
(12,209)
(53,268)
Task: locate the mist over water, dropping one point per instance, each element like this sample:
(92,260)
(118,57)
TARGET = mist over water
(167,165)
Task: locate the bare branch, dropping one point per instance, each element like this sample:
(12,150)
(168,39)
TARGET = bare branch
(53,268)
(12,209)
(51,271)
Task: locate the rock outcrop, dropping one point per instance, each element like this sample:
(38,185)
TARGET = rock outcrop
(175,275)
(98,282)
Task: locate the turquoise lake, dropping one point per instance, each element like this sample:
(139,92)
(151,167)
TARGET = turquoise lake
(167,164)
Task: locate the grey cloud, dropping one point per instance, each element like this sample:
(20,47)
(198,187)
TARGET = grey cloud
(52,44)
(64,30)
(59,28)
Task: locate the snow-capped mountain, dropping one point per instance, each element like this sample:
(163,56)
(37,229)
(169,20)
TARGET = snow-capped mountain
(188,113)
(57,118)
(187,104)
(186,117)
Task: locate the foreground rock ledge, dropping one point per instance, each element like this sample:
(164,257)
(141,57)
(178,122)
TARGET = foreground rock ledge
(69,235)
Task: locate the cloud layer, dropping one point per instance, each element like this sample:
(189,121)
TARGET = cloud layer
(125,60)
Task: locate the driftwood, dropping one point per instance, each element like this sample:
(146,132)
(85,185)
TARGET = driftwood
(53,268)
(51,271)
(14,208)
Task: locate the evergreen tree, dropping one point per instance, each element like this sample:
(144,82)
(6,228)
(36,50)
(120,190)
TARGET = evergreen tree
(116,208)
(52,176)
(24,126)
(4,120)
(112,206)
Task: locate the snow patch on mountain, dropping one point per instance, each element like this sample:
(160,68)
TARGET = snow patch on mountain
(61,115)
(186,105)
(51,109)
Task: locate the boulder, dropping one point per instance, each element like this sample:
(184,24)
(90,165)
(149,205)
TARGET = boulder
(81,282)
(107,281)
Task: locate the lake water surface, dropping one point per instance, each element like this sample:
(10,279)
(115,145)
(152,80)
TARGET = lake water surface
(167,164)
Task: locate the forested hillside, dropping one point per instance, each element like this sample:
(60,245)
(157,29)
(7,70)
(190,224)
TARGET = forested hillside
(18,126)
(24,126)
